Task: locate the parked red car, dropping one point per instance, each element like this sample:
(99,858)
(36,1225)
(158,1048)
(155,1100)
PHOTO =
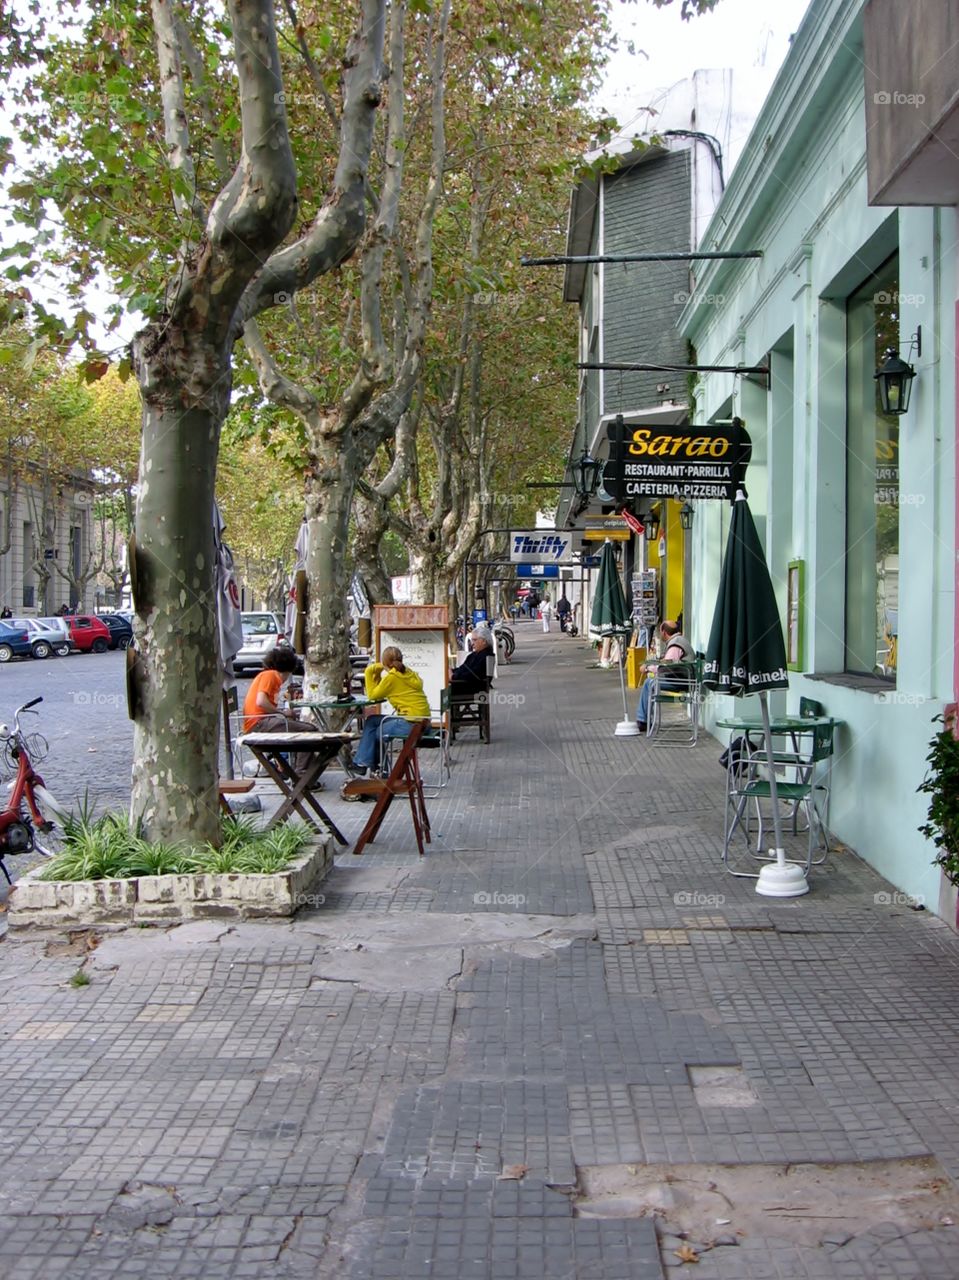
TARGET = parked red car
(88,634)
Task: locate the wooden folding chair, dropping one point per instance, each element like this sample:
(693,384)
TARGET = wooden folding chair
(436,737)
(404,779)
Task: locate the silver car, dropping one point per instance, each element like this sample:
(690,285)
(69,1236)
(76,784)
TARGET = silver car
(47,635)
(261,631)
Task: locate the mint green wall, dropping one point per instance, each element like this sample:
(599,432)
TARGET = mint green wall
(799,194)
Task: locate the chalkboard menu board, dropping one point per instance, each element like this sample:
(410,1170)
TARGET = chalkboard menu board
(421,633)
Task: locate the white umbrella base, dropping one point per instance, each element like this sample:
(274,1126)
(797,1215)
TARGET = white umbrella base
(627,729)
(782,880)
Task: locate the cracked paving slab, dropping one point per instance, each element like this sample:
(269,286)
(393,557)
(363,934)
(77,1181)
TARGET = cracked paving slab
(411,951)
(392,969)
(377,932)
(805,1204)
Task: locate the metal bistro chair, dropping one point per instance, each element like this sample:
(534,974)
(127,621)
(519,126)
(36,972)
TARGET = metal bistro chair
(236,756)
(796,758)
(670,693)
(747,782)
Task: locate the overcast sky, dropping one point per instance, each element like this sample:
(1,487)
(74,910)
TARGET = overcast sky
(750,36)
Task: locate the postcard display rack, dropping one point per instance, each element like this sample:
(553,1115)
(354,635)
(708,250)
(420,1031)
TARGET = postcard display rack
(645,605)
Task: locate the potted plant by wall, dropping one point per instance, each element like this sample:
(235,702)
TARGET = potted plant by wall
(941,784)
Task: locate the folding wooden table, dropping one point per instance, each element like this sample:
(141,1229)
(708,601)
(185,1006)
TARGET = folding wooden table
(275,751)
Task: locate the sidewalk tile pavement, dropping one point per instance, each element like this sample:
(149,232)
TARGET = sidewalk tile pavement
(233,1100)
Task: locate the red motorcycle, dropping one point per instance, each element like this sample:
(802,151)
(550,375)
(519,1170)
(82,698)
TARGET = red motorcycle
(30,808)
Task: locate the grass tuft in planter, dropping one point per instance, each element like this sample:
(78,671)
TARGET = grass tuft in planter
(109,848)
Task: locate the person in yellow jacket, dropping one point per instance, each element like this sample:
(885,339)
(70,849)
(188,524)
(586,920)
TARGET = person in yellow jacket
(389,680)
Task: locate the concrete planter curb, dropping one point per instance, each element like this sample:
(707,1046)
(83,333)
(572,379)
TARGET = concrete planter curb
(53,904)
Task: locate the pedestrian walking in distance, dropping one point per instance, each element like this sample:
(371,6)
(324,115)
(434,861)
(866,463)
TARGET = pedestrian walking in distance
(545,612)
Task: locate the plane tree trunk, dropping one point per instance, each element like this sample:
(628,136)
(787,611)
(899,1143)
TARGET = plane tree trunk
(236,270)
(183,365)
(342,440)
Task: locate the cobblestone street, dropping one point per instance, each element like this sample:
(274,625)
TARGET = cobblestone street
(83,717)
(563,1044)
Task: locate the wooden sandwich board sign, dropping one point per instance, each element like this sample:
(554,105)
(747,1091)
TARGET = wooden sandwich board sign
(421,633)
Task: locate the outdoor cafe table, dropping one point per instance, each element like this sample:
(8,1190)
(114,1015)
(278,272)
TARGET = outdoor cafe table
(275,751)
(778,725)
(322,706)
(792,727)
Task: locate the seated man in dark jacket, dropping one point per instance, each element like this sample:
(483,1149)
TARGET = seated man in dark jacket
(470,676)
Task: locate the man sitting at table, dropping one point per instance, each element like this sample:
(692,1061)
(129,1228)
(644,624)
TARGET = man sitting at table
(471,677)
(262,712)
(390,679)
(678,649)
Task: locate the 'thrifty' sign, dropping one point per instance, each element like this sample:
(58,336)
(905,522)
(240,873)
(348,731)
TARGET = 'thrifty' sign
(540,546)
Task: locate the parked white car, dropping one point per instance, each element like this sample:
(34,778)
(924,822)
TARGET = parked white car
(261,631)
(47,635)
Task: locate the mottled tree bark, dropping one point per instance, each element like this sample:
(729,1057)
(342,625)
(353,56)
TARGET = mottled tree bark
(342,441)
(370,522)
(183,365)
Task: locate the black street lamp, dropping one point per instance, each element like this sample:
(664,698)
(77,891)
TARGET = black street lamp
(587,471)
(651,525)
(894,380)
(686,512)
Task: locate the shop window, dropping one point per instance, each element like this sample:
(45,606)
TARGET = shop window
(872,481)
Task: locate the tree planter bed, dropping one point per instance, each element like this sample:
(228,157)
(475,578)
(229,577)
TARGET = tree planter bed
(161,899)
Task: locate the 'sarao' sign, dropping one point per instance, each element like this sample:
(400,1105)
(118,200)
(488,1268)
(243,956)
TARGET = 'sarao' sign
(675,462)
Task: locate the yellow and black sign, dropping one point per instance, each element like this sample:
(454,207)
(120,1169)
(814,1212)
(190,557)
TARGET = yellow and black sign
(675,462)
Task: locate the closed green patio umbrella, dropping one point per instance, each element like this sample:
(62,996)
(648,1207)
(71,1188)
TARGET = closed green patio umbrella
(610,617)
(747,654)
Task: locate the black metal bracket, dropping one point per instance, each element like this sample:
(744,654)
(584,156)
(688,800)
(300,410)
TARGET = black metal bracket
(586,259)
(757,370)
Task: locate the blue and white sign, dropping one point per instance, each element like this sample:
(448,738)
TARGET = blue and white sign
(540,546)
(479,615)
(537,571)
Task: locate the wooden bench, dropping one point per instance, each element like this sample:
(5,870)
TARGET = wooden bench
(472,708)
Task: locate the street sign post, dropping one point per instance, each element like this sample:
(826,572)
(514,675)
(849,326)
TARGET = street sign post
(537,571)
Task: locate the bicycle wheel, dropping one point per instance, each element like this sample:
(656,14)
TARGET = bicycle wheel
(47,839)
